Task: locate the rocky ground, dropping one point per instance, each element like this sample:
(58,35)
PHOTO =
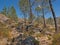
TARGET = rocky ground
(20,33)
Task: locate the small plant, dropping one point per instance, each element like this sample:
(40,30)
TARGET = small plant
(5,32)
(36,42)
(49,37)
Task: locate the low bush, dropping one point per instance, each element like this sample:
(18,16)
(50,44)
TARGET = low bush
(56,39)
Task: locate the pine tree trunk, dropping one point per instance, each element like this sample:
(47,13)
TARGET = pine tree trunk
(44,22)
(25,18)
(30,17)
(44,19)
(53,13)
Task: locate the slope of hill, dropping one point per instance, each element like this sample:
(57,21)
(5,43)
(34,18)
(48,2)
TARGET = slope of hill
(12,32)
(6,30)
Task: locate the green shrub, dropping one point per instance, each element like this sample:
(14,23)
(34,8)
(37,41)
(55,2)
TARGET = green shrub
(4,32)
(56,39)
(36,42)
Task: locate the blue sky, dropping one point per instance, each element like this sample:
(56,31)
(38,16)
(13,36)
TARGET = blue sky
(56,6)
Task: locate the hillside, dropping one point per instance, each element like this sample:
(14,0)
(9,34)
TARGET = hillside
(12,33)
